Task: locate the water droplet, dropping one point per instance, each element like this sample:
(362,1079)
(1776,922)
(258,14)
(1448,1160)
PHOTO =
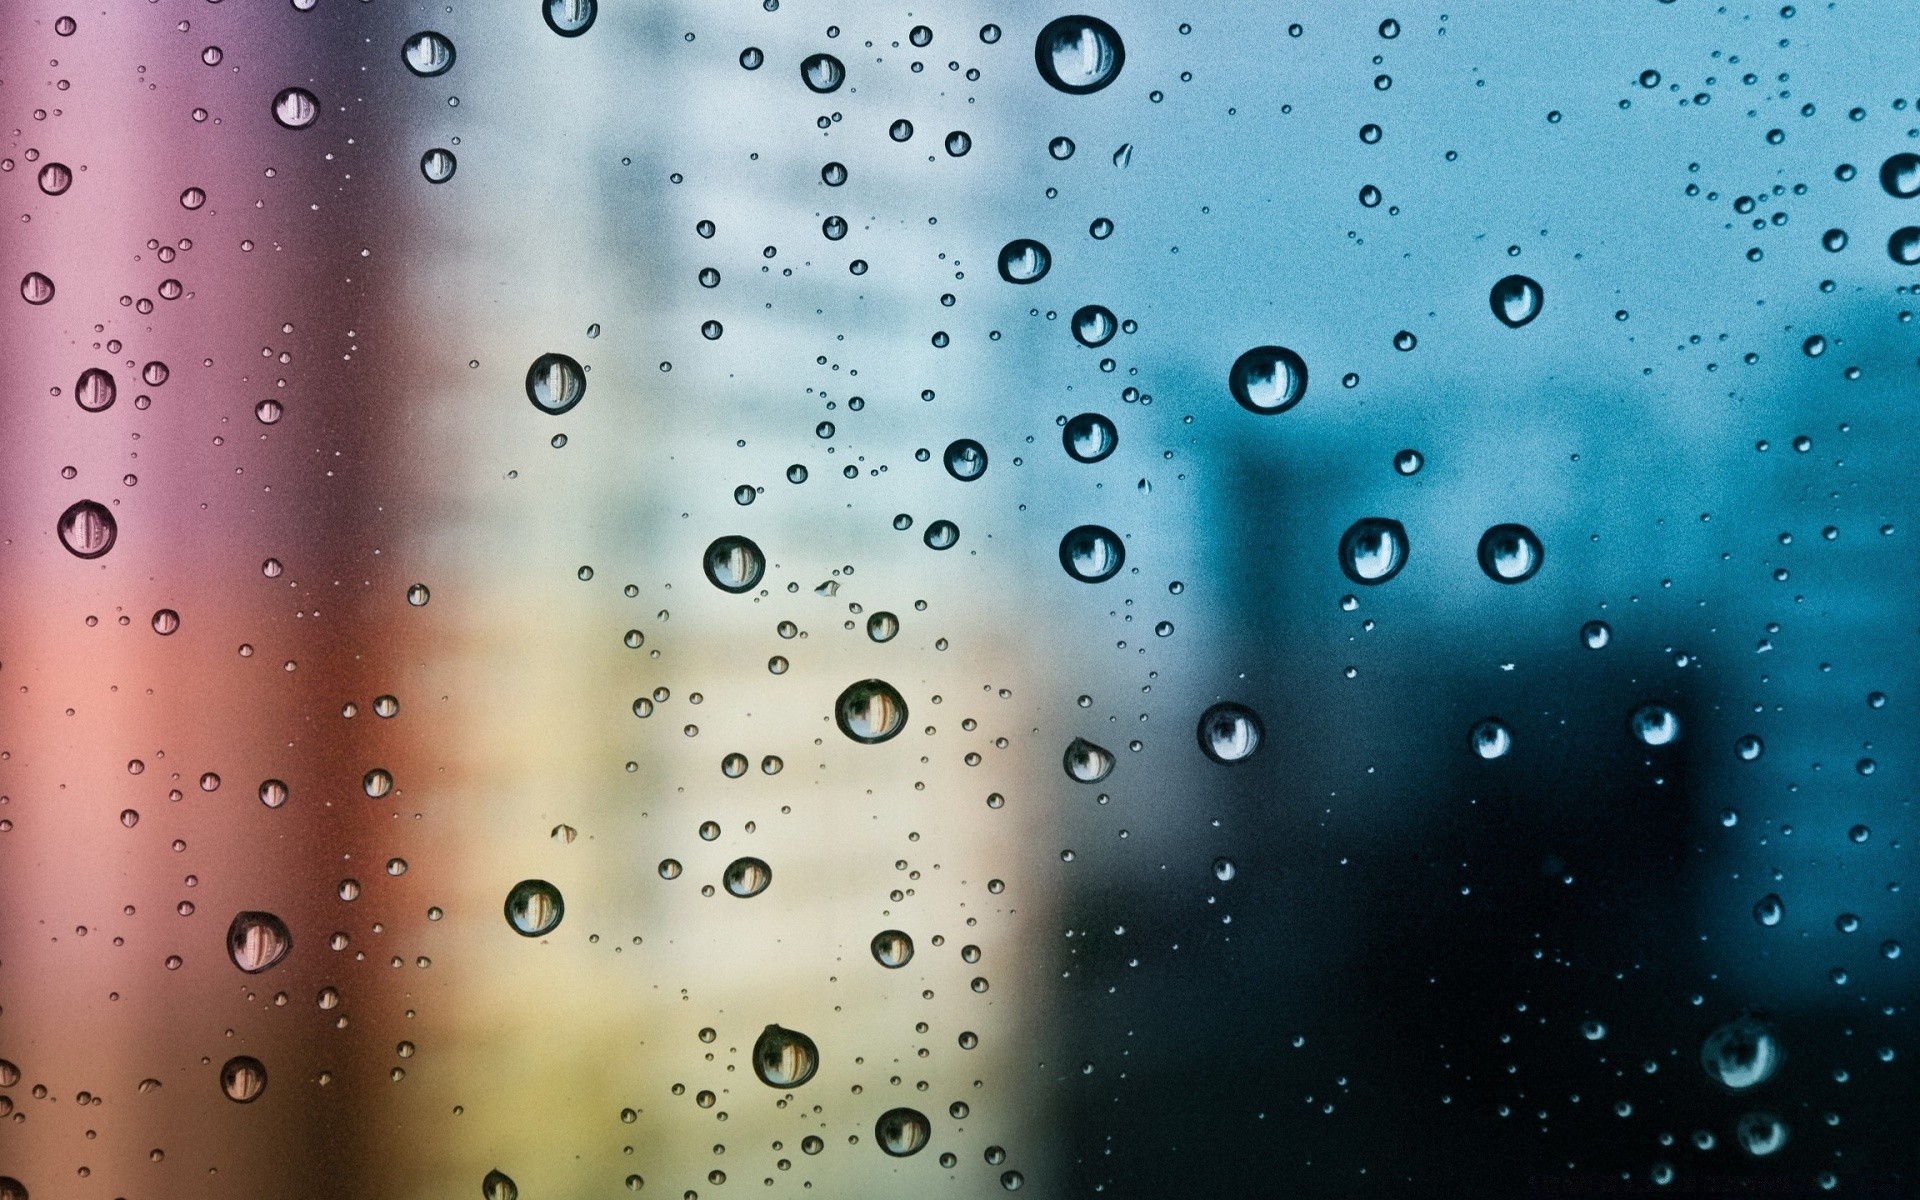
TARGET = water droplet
(901,130)
(1089,437)
(534,907)
(881,626)
(1900,175)
(1859,834)
(1510,553)
(891,948)
(1594,635)
(87,529)
(257,940)
(193,198)
(377,783)
(822,73)
(734,564)
(155,373)
(958,143)
(268,411)
(498,1185)
(1408,462)
(1655,724)
(418,595)
(555,383)
(1373,549)
(1079,54)
(570,18)
(1516,300)
(36,288)
(55,178)
(427,54)
(1593,1031)
(1012,1181)
(1769,910)
(1223,869)
(1229,732)
(966,460)
(1761,1133)
(96,390)
(901,1132)
(1741,1054)
(165,621)
(1749,747)
(1491,738)
(784,1058)
(752,57)
(669,868)
(1061,148)
(243,1078)
(273,793)
(941,535)
(1904,246)
(438,165)
(296,108)
(1094,325)
(1092,553)
(1268,379)
(747,877)
(1024,260)
(870,711)
(1086,762)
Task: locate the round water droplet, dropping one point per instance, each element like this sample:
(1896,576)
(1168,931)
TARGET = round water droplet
(881,626)
(966,460)
(1094,325)
(1900,175)
(1229,732)
(273,793)
(1904,245)
(534,907)
(1761,1133)
(1655,724)
(734,564)
(570,18)
(870,711)
(941,535)
(891,948)
(268,412)
(257,940)
(958,143)
(165,621)
(438,165)
(1061,148)
(193,198)
(1089,437)
(96,390)
(747,877)
(555,383)
(784,1058)
(1024,260)
(55,178)
(669,868)
(1594,635)
(1408,462)
(1079,54)
(498,1185)
(427,53)
(902,1132)
(1224,870)
(1092,553)
(1769,910)
(87,529)
(1268,379)
(296,108)
(1491,738)
(1516,300)
(418,595)
(1510,553)
(1741,1054)
(377,782)
(243,1078)
(1086,762)
(36,288)
(752,57)
(1749,747)
(822,73)
(1373,549)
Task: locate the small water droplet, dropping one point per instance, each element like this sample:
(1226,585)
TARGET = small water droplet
(1769,910)
(1655,724)
(243,1078)
(882,626)
(257,940)
(870,711)
(1024,260)
(1373,550)
(1516,300)
(428,54)
(1086,762)
(1510,553)
(569,18)
(534,907)
(296,108)
(1595,635)
(1089,438)
(891,948)
(901,1132)
(1491,738)
(965,459)
(1268,379)
(1229,732)
(438,165)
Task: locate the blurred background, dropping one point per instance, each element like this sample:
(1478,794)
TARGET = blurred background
(1573,862)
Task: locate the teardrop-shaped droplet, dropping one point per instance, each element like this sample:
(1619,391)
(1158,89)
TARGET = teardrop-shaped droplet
(891,948)
(96,390)
(296,108)
(881,626)
(1373,549)
(257,940)
(1900,175)
(902,1131)
(428,53)
(498,1185)
(570,18)
(747,877)
(1655,724)
(1229,732)
(1510,553)
(1087,763)
(1079,54)
(1092,553)
(1769,910)
(822,73)
(1516,300)
(87,529)
(534,907)
(1024,260)
(784,1058)
(555,383)
(734,564)
(1490,738)
(1089,437)
(966,460)
(1268,379)
(1094,325)
(438,165)
(243,1078)
(870,711)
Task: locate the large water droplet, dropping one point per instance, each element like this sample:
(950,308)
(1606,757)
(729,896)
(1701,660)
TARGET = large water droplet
(1024,260)
(1595,635)
(55,178)
(902,1131)
(1094,325)
(734,564)
(570,18)
(1491,738)
(1089,437)
(257,940)
(1510,553)
(1655,724)
(438,165)
(534,907)
(1769,910)
(1092,553)
(1079,54)
(1229,732)
(555,383)
(966,460)
(87,529)
(96,391)
(1741,1054)
(36,288)
(1903,246)
(891,948)
(243,1078)
(498,1185)
(1268,379)
(296,108)
(1749,747)
(1373,549)
(1086,762)
(870,711)
(822,73)
(882,626)
(746,877)
(1761,1133)
(784,1058)
(1900,175)
(1516,300)
(428,53)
